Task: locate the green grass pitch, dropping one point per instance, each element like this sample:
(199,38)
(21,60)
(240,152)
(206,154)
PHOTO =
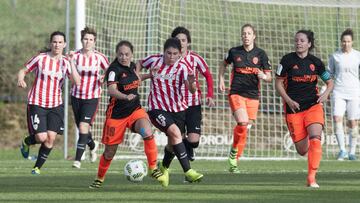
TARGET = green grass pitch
(259,181)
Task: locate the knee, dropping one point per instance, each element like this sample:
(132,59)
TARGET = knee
(41,137)
(145,133)
(84,128)
(302,152)
(108,154)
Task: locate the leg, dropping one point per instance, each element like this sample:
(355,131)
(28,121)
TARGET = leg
(315,152)
(193,119)
(104,164)
(47,140)
(339,107)
(353,114)
(239,138)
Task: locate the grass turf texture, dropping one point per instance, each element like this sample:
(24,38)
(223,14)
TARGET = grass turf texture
(259,181)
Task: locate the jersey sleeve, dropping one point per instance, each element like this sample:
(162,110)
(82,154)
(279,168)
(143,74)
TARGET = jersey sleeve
(148,61)
(32,64)
(320,67)
(204,70)
(229,57)
(331,65)
(67,67)
(104,62)
(266,66)
(281,71)
(112,75)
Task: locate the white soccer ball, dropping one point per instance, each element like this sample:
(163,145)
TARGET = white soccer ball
(135,170)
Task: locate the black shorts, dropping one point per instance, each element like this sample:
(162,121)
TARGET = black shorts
(193,119)
(164,119)
(84,109)
(43,119)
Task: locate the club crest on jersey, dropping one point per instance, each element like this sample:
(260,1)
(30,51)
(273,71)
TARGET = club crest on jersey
(238,59)
(255,60)
(312,67)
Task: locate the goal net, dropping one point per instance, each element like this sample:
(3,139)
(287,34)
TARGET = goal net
(215,28)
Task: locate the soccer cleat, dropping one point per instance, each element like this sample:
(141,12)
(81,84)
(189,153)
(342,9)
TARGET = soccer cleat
(76,164)
(24,149)
(232,161)
(93,155)
(96,184)
(159,176)
(234,169)
(35,171)
(352,157)
(313,185)
(342,155)
(165,172)
(192,176)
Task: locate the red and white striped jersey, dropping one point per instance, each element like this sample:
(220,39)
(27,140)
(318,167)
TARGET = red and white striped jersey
(89,69)
(166,82)
(49,79)
(198,64)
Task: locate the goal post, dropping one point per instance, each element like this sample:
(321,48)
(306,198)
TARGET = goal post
(215,28)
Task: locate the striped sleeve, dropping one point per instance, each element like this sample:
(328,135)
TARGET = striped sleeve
(32,64)
(148,61)
(204,70)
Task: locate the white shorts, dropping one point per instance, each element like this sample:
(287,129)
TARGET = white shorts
(352,107)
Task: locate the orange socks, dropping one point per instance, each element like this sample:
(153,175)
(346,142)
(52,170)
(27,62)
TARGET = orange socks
(103,167)
(314,158)
(240,132)
(151,151)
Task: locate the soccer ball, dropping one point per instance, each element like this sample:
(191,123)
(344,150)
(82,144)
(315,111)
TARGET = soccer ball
(135,170)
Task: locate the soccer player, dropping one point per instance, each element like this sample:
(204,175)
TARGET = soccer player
(250,65)
(45,110)
(89,64)
(193,113)
(344,66)
(124,111)
(167,104)
(296,80)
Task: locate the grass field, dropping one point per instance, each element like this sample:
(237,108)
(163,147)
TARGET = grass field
(259,181)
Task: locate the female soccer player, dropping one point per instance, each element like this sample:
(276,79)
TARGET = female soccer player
(89,64)
(250,65)
(45,108)
(296,80)
(344,66)
(193,113)
(167,103)
(124,111)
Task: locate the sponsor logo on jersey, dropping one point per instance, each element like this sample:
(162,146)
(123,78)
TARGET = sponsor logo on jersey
(312,67)
(237,58)
(255,60)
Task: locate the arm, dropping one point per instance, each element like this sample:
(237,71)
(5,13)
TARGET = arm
(141,76)
(204,70)
(21,78)
(75,77)
(114,92)
(329,87)
(191,83)
(265,76)
(221,76)
(280,88)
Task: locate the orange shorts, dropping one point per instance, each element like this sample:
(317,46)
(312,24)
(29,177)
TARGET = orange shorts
(298,122)
(114,129)
(251,105)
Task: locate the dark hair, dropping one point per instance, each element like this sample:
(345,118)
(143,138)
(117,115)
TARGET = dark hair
(349,32)
(181,30)
(250,26)
(57,33)
(88,30)
(172,42)
(124,43)
(47,49)
(310,35)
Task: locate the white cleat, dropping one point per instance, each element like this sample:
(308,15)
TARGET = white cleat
(93,154)
(313,185)
(76,164)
